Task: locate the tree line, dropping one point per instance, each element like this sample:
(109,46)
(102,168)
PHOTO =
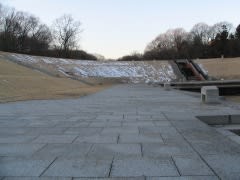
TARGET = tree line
(24,33)
(203,41)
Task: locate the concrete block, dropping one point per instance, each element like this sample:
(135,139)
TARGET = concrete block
(210,94)
(167,86)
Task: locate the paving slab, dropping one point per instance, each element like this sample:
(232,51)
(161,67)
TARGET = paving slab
(12,123)
(16,138)
(63,150)
(12,131)
(210,148)
(138,123)
(72,124)
(158,130)
(120,130)
(184,178)
(37,178)
(115,150)
(45,131)
(226,166)
(162,123)
(235,138)
(171,149)
(192,166)
(55,139)
(146,138)
(97,139)
(124,132)
(105,124)
(10,166)
(83,131)
(143,167)
(19,149)
(117,178)
(79,168)
(41,123)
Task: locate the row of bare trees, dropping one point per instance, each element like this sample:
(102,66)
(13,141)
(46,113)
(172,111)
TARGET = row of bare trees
(24,33)
(203,41)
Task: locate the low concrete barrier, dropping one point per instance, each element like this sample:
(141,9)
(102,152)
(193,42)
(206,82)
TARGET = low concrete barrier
(210,94)
(167,86)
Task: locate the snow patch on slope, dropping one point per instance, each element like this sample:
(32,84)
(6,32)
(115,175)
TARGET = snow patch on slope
(133,71)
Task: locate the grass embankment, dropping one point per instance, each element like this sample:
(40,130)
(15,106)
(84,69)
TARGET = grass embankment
(227,68)
(235,99)
(19,83)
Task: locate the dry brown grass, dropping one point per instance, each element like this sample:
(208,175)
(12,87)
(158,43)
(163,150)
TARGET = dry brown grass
(20,83)
(227,68)
(233,98)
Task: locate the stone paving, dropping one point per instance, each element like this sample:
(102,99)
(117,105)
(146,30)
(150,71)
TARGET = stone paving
(125,132)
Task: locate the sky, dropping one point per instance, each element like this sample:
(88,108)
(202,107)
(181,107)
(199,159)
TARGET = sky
(114,28)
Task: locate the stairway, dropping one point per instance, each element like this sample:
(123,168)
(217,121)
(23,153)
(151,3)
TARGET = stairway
(190,70)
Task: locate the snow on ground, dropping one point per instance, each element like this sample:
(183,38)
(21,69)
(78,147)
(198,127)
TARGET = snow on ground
(136,72)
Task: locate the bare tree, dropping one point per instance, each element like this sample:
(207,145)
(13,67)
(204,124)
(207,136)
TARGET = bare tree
(179,35)
(27,24)
(66,32)
(172,39)
(41,38)
(165,41)
(11,28)
(1,16)
(201,31)
(237,33)
(42,33)
(218,28)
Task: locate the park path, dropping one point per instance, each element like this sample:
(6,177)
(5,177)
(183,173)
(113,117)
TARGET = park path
(131,131)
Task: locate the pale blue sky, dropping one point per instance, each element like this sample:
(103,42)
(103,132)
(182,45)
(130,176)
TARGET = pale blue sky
(115,28)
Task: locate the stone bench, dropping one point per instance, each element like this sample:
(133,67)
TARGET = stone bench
(210,94)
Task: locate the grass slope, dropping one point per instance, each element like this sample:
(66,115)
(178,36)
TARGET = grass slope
(21,83)
(227,68)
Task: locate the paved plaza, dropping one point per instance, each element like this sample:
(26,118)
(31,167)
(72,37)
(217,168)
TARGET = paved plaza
(125,132)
